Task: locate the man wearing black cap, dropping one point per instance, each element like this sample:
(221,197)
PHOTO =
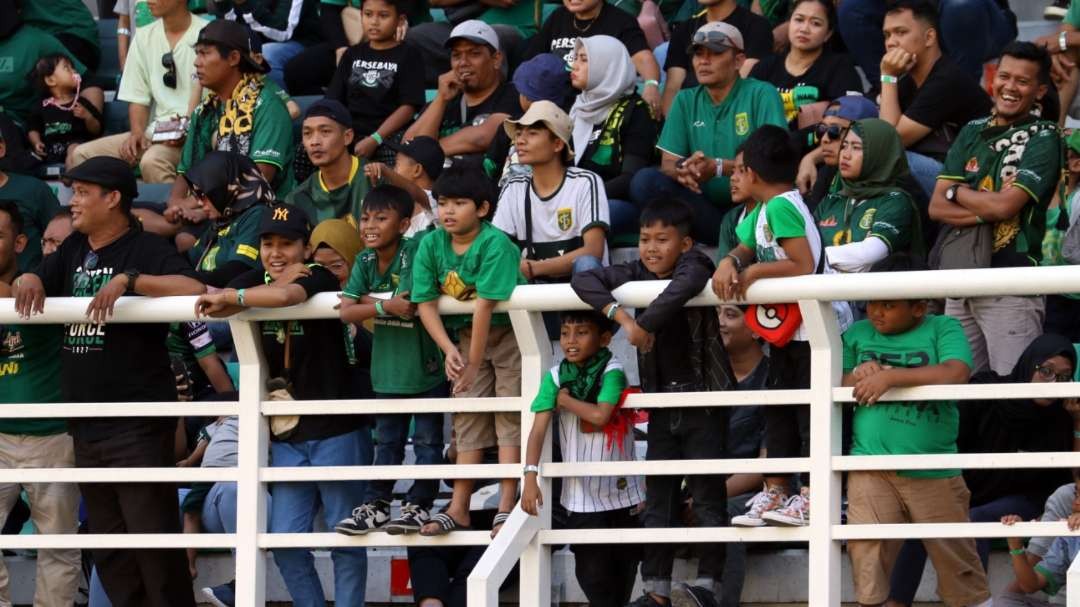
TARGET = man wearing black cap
(418,163)
(337,189)
(308,358)
(110,256)
(240,115)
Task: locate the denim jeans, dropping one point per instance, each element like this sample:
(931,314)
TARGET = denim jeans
(584,263)
(910,562)
(650,184)
(295,505)
(277,54)
(219,509)
(624,217)
(924,170)
(391,432)
(972,31)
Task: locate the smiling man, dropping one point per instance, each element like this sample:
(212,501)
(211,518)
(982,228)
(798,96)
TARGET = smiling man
(1002,170)
(337,189)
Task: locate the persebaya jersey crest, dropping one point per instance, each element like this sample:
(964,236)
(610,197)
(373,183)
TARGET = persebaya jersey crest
(742,123)
(565,218)
(453,286)
(867,219)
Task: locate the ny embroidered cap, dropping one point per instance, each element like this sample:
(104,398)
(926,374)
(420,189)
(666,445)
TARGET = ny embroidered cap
(852,107)
(285,220)
(425,151)
(474,30)
(107,172)
(548,114)
(544,77)
(233,35)
(332,109)
(718,36)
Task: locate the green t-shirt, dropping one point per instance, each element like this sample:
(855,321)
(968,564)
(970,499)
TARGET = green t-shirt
(404,359)
(842,220)
(729,239)
(268,141)
(18,55)
(488,269)
(1072,17)
(1028,155)
(612,384)
(342,203)
(904,428)
(30,373)
(62,17)
(695,124)
(783,219)
(38,205)
(238,241)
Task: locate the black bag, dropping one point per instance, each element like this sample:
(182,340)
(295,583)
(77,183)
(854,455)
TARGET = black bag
(963,248)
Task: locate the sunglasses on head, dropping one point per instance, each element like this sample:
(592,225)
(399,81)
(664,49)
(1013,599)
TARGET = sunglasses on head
(169,77)
(1047,372)
(832,131)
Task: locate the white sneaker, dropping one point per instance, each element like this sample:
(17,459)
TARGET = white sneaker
(795,513)
(769,498)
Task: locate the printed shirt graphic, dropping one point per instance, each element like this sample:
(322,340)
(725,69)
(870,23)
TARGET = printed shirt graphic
(592,494)
(29,373)
(900,428)
(842,220)
(374,83)
(560,32)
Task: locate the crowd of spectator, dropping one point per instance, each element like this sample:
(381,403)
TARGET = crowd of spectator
(506,144)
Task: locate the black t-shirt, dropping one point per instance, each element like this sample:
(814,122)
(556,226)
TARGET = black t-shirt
(833,75)
(948,100)
(755,30)
(60,128)
(115,362)
(320,356)
(561,31)
(373,83)
(504,100)
(636,136)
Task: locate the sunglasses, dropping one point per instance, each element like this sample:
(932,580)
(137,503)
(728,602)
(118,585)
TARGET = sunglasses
(712,38)
(169,77)
(82,277)
(831,131)
(1048,373)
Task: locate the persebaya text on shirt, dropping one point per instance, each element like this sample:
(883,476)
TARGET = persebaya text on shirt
(373,73)
(567,47)
(83,337)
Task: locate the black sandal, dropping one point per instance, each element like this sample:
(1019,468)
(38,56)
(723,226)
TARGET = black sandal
(497,522)
(446,524)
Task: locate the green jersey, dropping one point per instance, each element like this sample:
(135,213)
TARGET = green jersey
(1027,154)
(321,203)
(488,269)
(842,220)
(404,359)
(267,138)
(729,239)
(38,205)
(1072,17)
(19,98)
(696,124)
(903,428)
(62,17)
(30,373)
(237,241)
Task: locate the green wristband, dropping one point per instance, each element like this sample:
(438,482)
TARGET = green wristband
(379,309)
(1018,552)
(887,79)
(240,297)
(377,137)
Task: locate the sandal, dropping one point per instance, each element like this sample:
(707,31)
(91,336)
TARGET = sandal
(497,523)
(446,524)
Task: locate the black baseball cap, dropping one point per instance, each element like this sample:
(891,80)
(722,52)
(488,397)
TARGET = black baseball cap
(286,220)
(107,172)
(231,34)
(332,109)
(425,151)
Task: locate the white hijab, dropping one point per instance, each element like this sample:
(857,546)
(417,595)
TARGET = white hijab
(611,77)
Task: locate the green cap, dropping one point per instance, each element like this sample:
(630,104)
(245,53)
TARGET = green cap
(1073,141)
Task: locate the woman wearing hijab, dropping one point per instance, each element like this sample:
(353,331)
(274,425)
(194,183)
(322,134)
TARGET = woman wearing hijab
(1006,426)
(614,130)
(234,195)
(871,215)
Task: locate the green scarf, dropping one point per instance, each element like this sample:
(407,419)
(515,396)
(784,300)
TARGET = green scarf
(583,381)
(884,163)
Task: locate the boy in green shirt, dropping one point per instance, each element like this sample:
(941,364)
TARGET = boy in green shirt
(900,345)
(405,363)
(471,260)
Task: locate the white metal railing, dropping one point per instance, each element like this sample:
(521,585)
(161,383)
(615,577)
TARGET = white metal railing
(527,540)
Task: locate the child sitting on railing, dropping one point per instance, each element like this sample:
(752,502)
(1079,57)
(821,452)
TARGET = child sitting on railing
(900,345)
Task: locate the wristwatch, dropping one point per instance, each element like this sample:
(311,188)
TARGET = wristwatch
(132,276)
(531,468)
(950,194)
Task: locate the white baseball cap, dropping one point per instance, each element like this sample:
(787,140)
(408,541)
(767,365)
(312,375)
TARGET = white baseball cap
(474,30)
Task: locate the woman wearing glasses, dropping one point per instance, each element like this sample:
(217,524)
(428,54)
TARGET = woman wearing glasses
(1007,426)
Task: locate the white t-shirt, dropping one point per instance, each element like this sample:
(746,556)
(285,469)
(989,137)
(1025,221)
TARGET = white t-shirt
(558,221)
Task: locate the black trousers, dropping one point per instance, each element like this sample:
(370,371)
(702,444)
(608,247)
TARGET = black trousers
(311,70)
(606,572)
(442,572)
(787,427)
(137,577)
(692,433)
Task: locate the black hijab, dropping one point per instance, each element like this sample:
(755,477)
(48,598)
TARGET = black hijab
(232,183)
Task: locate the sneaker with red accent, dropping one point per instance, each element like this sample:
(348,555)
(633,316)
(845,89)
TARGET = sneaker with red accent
(795,513)
(769,498)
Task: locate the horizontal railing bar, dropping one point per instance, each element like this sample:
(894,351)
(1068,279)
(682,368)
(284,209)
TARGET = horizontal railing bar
(677,467)
(678,535)
(117,475)
(964,392)
(122,540)
(269,541)
(375,406)
(1048,459)
(162,409)
(949,530)
(367,473)
(732,398)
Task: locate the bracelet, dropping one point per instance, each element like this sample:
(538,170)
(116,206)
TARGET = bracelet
(240,297)
(612,310)
(887,79)
(123,31)
(1063,41)
(735,259)
(652,82)
(531,468)
(379,309)
(1018,552)
(377,137)
(719,167)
